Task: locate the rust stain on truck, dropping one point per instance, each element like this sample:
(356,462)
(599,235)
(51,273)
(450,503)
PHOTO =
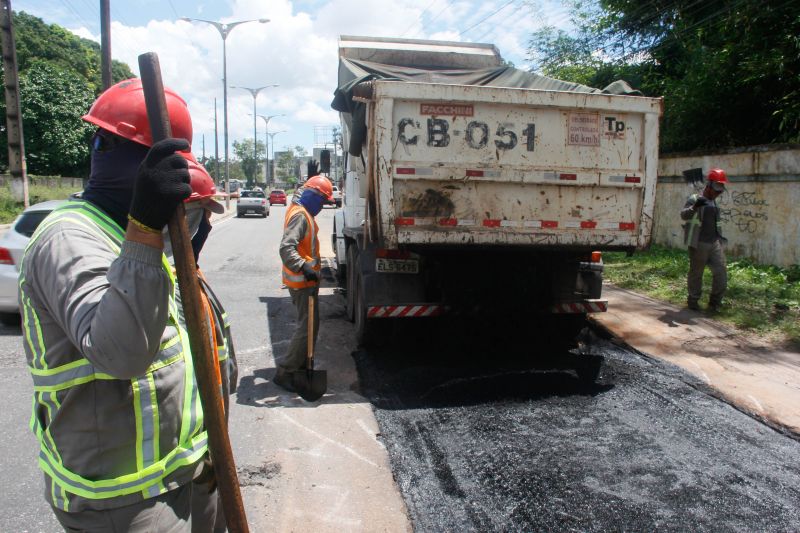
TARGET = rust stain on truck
(431,203)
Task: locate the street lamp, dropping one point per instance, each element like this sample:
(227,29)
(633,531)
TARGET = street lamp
(254,92)
(272,141)
(224,29)
(266,133)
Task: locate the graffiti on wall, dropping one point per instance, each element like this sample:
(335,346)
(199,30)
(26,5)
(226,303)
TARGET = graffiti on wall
(743,210)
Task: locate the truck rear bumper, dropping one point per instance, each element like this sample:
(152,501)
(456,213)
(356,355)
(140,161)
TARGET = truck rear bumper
(405,310)
(585,306)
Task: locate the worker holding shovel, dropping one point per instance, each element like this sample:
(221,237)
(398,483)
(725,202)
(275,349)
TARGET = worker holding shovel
(299,251)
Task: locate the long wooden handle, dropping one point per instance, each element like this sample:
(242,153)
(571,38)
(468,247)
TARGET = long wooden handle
(196,323)
(310,342)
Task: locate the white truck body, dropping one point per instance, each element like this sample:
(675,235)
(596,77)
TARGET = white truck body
(474,178)
(513,166)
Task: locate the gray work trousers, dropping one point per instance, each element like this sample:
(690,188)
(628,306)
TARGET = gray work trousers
(187,509)
(295,358)
(170,512)
(711,254)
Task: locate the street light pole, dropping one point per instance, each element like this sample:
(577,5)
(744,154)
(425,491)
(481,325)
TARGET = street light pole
(254,92)
(266,141)
(272,140)
(224,29)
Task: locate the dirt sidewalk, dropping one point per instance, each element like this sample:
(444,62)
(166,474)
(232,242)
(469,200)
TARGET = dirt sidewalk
(752,374)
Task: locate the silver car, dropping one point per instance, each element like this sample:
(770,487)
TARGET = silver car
(12,246)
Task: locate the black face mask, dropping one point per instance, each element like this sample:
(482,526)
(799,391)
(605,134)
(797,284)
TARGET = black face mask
(112,176)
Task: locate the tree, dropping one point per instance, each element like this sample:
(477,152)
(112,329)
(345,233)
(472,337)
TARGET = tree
(729,71)
(56,139)
(285,167)
(59,76)
(243,151)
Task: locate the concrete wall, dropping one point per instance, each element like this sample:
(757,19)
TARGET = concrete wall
(760,209)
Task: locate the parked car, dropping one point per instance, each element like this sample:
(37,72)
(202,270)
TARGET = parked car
(277,196)
(337,196)
(12,246)
(252,202)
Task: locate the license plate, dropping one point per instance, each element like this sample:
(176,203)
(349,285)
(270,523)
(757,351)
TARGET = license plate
(397,266)
(251,211)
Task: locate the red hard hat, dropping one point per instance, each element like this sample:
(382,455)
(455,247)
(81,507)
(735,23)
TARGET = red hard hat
(321,184)
(202,186)
(121,110)
(718,175)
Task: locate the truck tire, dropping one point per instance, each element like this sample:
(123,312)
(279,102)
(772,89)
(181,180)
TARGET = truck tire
(350,286)
(369,332)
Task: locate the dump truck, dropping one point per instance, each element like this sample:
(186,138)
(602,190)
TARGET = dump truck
(471,186)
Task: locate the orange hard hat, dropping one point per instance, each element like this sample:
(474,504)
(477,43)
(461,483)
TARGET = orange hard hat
(203,187)
(120,109)
(321,184)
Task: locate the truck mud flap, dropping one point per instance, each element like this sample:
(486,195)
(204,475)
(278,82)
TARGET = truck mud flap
(584,306)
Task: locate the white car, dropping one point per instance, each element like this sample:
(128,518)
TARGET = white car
(12,246)
(337,196)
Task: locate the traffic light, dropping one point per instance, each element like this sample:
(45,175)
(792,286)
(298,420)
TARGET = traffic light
(325,161)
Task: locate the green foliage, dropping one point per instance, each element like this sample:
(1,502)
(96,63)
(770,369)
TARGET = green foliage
(10,208)
(251,165)
(762,298)
(59,76)
(729,71)
(56,139)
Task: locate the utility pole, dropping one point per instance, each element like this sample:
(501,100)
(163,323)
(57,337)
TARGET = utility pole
(105,43)
(216,148)
(16,141)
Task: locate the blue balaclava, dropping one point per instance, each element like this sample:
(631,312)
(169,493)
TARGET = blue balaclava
(312,201)
(112,176)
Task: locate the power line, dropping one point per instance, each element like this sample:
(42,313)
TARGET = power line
(173,9)
(487,17)
(436,16)
(419,17)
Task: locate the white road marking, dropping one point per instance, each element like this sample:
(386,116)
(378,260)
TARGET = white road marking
(326,439)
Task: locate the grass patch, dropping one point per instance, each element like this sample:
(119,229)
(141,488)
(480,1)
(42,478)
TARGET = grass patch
(760,298)
(10,208)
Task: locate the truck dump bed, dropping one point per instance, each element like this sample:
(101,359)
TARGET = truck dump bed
(493,155)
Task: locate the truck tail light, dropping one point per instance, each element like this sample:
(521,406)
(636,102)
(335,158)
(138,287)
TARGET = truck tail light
(5,257)
(263,202)
(597,257)
(385,253)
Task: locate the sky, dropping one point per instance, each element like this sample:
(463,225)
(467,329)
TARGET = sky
(296,50)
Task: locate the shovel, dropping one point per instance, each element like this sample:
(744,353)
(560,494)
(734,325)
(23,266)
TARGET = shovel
(310,384)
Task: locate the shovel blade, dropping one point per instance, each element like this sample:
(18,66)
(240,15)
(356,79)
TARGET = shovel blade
(310,385)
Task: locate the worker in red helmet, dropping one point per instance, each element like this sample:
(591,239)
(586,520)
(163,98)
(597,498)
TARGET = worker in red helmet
(116,406)
(703,236)
(299,251)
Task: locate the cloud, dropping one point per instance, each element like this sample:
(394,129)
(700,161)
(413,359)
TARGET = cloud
(298,50)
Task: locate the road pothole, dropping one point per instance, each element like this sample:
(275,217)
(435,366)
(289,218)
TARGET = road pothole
(258,475)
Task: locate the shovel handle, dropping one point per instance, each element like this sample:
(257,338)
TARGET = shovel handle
(203,357)
(310,341)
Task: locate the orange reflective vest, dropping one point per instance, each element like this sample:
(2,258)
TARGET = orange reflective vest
(308,248)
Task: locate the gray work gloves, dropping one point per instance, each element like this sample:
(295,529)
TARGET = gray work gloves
(309,273)
(161,184)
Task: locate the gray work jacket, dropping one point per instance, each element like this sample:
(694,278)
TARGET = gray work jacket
(116,404)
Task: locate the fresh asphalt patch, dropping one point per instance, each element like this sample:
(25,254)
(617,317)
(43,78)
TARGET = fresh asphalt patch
(489,429)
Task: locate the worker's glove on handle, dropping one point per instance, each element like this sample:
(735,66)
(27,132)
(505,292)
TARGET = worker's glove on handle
(162,183)
(309,273)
